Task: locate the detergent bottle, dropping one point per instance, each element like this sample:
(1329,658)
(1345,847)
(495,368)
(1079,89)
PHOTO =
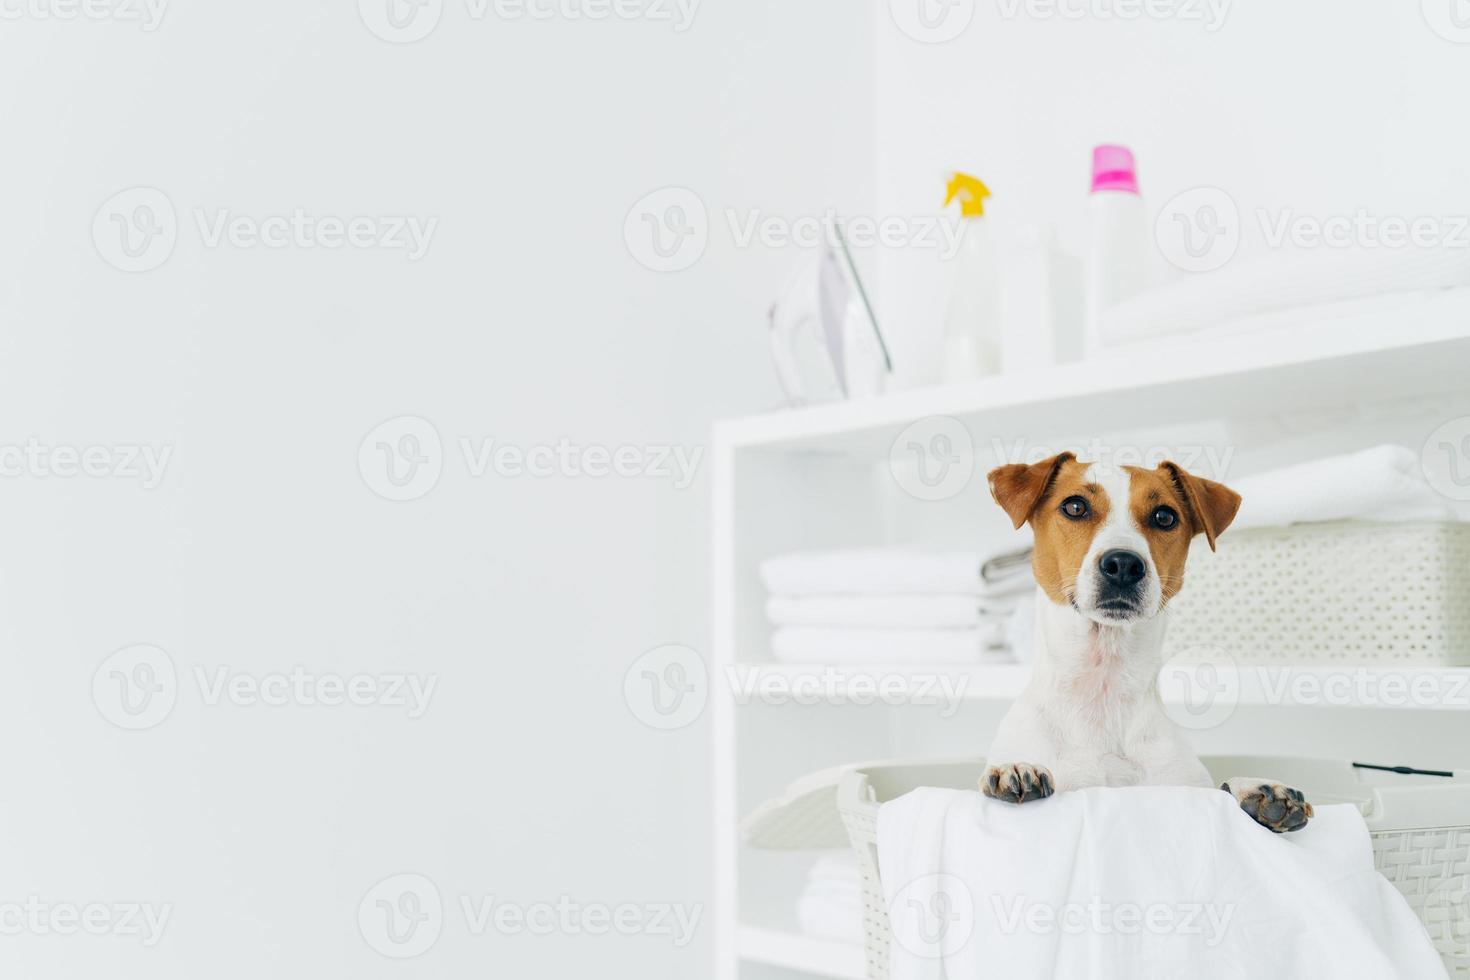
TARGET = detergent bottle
(1119,246)
(971,324)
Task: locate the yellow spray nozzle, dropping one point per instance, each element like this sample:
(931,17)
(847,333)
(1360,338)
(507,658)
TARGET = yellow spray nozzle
(971,192)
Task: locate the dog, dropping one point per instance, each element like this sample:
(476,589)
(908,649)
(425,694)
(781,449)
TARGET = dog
(1109,555)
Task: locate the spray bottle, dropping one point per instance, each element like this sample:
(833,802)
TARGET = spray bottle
(971,324)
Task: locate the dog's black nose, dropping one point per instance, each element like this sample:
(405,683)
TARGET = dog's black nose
(1122,569)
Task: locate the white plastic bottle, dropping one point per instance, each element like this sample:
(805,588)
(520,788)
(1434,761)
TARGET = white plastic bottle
(971,323)
(1119,248)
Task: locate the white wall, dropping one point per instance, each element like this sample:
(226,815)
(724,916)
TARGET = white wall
(528,320)
(1318,107)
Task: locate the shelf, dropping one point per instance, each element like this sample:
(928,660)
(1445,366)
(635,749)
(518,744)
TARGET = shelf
(1420,349)
(1200,688)
(802,953)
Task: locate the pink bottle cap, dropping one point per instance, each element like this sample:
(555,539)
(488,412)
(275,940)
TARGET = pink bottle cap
(1113,169)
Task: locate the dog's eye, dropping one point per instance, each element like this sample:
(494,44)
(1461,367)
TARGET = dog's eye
(1164,518)
(1076,508)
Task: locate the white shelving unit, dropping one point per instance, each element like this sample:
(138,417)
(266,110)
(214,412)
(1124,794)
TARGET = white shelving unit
(820,477)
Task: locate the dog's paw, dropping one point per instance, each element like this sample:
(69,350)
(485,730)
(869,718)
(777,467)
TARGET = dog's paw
(1017,783)
(1275,807)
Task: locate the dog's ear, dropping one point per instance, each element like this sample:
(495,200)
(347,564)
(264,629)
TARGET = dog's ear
(1212,505)
(1018,487)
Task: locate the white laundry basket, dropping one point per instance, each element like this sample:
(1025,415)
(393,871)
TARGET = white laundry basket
(1343,592)
(1420,827)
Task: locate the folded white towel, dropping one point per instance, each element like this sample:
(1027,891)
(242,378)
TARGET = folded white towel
(874,571)
(1283,280)
(825,918)
(1379,484)
(836,866)
(800,644)
(1118,884)
(884,611)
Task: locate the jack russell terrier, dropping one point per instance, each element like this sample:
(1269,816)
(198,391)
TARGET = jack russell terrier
(1109,555)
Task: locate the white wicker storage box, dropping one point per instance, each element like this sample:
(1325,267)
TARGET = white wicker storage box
(1341,593)
(1420,826)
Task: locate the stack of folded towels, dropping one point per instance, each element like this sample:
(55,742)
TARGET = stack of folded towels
(877,605)
(831,902)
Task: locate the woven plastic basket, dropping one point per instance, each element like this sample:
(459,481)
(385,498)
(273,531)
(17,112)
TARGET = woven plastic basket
(1420,827)
(1346,592)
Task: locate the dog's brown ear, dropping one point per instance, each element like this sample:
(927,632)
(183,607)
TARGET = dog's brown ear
(1018,487)
(1212,505)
